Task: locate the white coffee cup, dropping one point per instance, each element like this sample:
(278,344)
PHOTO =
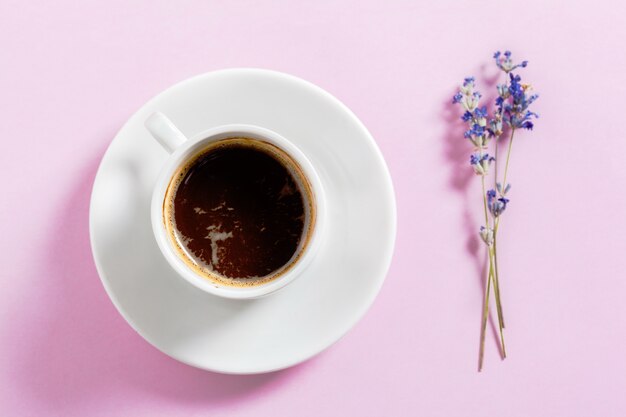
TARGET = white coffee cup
(181,149)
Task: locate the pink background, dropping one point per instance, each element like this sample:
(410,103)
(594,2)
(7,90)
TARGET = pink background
(72,72)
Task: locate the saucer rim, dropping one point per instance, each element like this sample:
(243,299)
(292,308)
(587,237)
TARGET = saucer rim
(385,258)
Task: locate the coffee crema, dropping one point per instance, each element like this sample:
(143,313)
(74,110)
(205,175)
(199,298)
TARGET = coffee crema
(239,212)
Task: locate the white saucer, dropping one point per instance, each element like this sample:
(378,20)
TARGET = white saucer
(285,328)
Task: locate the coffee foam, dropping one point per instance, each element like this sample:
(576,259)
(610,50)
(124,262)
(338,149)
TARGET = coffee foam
(215,234)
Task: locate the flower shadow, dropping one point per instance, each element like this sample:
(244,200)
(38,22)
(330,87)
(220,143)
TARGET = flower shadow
(456,151)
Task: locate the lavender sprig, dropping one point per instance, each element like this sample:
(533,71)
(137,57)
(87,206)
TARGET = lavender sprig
(512,112)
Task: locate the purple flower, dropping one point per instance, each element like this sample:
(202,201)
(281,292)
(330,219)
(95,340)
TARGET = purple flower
(495,126)
(474,116)
(466,95)
(481,162)
(478,130)
(480,112)
(504,62)
(496,206)
(513,103)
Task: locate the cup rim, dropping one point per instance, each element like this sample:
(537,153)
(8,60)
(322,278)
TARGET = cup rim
(173,163)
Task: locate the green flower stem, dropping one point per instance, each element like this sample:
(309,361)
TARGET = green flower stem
(506,171)
(496,283)
(495,154)
(483,326)
(490,278)
(485,201)
(498,307)
(508,157)
(483,329)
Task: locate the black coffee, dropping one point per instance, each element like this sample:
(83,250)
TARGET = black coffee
(237,210)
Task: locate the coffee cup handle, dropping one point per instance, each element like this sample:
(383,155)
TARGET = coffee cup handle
(164,131)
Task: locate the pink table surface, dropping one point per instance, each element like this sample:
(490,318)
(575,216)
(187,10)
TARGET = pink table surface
(72,72)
